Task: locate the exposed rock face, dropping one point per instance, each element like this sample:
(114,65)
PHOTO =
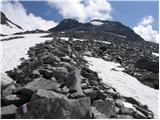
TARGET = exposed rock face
(62,86)
(58,108)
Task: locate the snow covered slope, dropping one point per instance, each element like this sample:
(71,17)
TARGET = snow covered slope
(13,50)
(7,26)
(7,30)
(125,84)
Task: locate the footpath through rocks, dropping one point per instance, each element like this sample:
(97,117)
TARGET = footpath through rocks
(56,82)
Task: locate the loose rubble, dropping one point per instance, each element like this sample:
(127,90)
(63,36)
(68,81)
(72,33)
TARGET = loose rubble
(55,82)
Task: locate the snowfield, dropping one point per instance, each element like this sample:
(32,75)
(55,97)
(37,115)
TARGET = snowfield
(13,50)
(112,73)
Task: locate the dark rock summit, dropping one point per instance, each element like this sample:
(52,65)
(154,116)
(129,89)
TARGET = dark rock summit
(106,26)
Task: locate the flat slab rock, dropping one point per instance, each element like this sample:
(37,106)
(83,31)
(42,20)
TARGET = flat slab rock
(41,83)
(56,108)
(8,112)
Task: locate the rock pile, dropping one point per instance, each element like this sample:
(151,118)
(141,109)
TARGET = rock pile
(126,52)
(57,83)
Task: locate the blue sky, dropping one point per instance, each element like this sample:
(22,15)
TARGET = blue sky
(129,13)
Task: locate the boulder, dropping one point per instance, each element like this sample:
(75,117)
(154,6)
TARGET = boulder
(5,80)
(8,112)
(73,82)
(103,109)
(40,93)
(8,90)
(87,53)
(90,93)
(39,83)
(139,115)
(57,108)
(66,59)
(126,111)
(46,73)
(17,100)
(51,59)
(66,65)
(60,73)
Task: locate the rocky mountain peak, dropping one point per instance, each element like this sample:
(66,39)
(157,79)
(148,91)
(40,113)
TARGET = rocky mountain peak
(97,26)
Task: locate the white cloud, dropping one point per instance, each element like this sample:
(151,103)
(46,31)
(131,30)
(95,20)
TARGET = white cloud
(18,14)
(83,10)
(147,20)
(145,29)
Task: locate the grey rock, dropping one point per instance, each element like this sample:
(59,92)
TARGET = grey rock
(66,59)
(8,90)
(40,83)
(17,100)
(126,111)
(5,80)
(46,73)
(8,112)
(40,93)
(58,108)
(139,115)
(74,82)
(90,93)
(87,53)
(66,65)
(105,109)
(60,73)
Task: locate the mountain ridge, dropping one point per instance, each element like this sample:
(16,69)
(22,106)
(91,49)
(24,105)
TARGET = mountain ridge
(106,26)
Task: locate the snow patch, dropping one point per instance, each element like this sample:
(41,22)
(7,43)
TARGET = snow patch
(96,23)
(156,54)
(76,39)
(125,84)
(15,49)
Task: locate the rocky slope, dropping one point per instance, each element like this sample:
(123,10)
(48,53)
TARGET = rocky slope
(56,82)
(137,57)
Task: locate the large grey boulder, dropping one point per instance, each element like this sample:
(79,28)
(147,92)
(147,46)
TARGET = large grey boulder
(74,82)
(8,90)
(103,109)
(57,108)
(5,80)
(60,73)
(40,93)
(40,83)
(8,112)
